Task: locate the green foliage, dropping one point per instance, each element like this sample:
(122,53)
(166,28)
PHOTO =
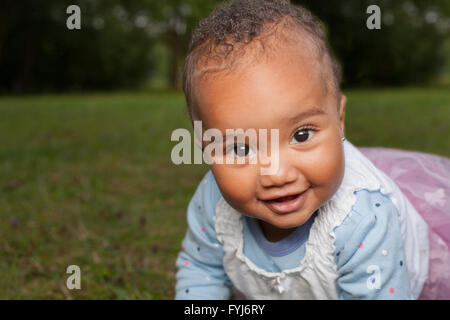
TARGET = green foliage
(407,49)
(123,43)
(39,53)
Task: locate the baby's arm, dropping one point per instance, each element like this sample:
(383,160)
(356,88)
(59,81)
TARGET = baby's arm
(200,271)
(369,251)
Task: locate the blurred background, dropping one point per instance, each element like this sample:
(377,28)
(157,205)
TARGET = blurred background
(86,117)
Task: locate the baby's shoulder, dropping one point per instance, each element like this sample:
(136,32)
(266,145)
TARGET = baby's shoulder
(373,212)
(207,195)
(371,203)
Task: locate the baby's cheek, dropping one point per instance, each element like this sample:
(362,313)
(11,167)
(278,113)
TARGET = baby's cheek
(237,185)
(326,167)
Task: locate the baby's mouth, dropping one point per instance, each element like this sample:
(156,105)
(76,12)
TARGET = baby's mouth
(284,199)
(287,204)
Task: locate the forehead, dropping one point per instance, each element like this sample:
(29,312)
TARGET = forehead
(261,94)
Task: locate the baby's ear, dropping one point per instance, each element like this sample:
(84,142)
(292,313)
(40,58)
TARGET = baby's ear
(342,103)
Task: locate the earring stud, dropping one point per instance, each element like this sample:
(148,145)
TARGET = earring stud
(343,138)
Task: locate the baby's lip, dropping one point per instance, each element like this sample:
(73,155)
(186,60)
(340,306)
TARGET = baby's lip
(287,203)
(280,197)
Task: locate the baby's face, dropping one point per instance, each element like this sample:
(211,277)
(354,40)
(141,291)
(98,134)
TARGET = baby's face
(285,93)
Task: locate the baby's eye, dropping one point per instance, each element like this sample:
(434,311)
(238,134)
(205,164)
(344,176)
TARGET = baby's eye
(239,150)
(301,135)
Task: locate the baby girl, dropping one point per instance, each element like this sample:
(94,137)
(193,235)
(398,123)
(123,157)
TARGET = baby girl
(327,224)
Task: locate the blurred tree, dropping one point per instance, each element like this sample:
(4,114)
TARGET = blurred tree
(176,20)
(407,49)
(111,50)
(116,45)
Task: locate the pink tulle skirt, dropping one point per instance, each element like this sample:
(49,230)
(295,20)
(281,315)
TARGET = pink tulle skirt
(425,181)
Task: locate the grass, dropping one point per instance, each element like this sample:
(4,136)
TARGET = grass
(87,180)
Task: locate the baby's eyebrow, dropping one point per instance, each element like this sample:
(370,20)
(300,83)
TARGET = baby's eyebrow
(314,111)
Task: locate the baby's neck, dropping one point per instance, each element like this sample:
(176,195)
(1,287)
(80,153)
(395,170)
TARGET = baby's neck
(272,233)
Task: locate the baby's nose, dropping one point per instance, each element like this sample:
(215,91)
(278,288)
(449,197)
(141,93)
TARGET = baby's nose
(285,173)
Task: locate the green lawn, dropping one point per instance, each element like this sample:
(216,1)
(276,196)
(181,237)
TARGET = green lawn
(87,180)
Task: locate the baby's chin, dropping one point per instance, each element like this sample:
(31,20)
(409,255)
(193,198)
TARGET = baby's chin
(286,221)
(292,220)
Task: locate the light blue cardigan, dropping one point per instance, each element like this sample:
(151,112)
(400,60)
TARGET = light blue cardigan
(369,250)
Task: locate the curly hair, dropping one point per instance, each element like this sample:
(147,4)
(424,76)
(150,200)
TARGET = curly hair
(221,39)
